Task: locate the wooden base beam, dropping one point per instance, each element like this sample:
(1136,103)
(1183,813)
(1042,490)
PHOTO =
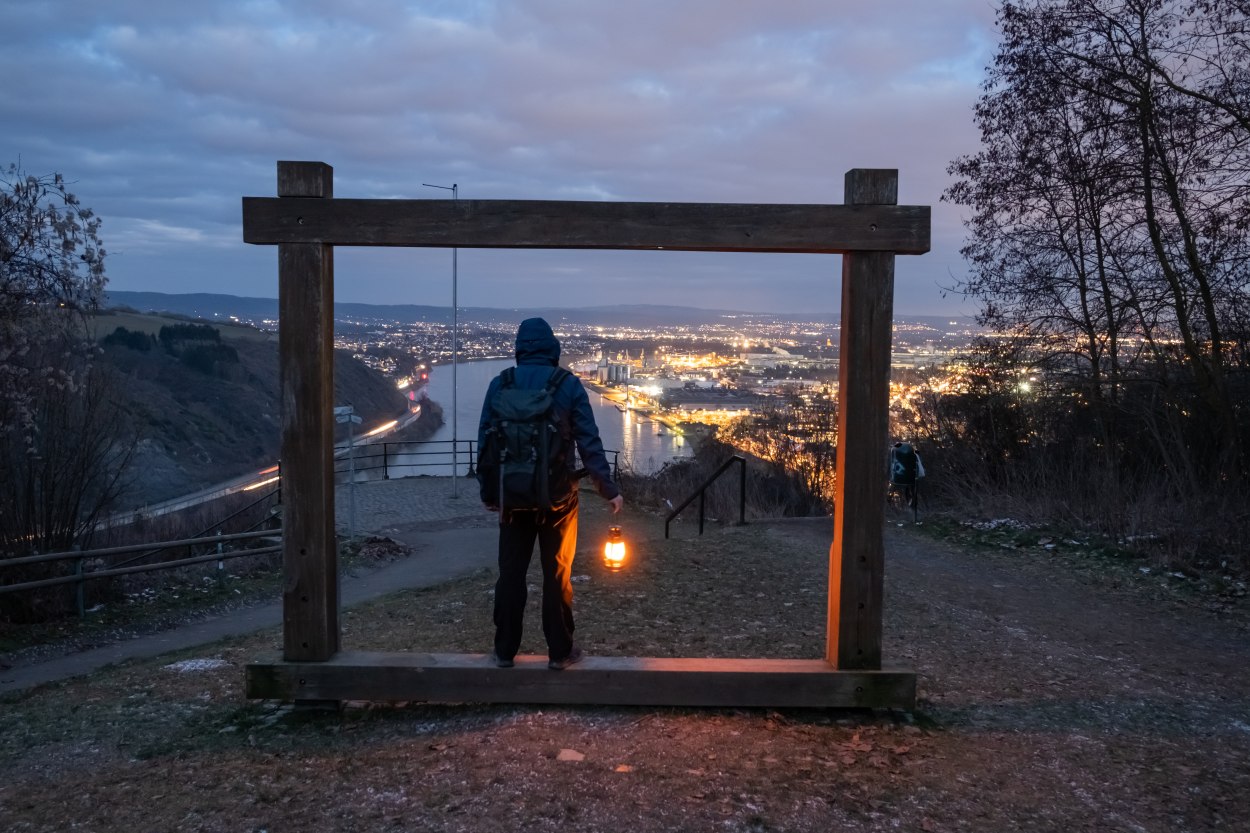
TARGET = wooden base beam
(635,681)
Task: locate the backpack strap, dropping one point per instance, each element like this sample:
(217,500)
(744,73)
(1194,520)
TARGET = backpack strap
(507,378)
(556,378)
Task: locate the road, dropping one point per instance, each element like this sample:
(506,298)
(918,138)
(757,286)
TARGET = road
(252,481)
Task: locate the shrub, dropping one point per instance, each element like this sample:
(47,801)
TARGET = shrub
(172,336)
(206,358)
(771,491)
(130,339)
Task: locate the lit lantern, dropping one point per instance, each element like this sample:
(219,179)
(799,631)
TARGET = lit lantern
(614,550)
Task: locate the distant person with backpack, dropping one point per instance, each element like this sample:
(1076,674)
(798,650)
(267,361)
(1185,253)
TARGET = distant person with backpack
(534,416)
(906,471)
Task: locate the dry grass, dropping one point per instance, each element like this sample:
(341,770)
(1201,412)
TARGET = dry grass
(664,604)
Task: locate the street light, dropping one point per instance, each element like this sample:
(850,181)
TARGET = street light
(455,312)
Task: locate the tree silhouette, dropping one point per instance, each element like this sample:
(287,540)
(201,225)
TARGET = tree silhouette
(67,443)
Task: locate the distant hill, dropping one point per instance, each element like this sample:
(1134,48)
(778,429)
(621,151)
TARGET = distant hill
(204,305)
(211,415)
(215,307)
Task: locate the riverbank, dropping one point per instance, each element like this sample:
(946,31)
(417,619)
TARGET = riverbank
(423,427)
(621,401)
(630,436)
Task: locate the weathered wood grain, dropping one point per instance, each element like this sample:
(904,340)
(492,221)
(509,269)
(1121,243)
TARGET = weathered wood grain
(640,681)
(544,224)
(857,556)
(310,597)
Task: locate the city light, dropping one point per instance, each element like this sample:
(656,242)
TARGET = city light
(711,375)
(261,484)
(381,429)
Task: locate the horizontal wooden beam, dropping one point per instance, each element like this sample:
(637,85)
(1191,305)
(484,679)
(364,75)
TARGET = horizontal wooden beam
(639,681)
(546,224)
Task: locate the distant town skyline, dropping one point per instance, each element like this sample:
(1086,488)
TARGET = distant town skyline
(162,116)
(261,311)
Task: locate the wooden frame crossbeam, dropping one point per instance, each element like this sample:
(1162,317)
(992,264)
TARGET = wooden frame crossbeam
(306,223)
(545,224)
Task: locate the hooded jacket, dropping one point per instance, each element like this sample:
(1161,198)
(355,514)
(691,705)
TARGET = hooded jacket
(537,355)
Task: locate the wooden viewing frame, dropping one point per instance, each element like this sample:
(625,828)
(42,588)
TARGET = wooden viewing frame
(306,223)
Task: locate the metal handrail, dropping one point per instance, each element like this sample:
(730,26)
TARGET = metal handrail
(701,492)
(367,457)
(221,522)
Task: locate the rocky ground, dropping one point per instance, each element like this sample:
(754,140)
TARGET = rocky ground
(1057,693)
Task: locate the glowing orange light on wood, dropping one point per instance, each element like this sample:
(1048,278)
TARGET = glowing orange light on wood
(614,550)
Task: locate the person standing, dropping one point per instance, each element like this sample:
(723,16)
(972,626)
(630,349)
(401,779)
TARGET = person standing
(554,529)
(906,472)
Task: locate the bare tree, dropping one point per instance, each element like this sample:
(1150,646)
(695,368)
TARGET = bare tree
(51,275)
(66,447)
(798,436)
(1111,203)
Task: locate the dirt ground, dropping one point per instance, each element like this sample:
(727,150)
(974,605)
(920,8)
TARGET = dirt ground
(1057,693)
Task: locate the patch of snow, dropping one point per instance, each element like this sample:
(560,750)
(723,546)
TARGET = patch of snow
(189,666)
(997,523)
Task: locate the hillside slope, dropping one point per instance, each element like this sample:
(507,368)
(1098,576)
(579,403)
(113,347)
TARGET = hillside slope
(205,421)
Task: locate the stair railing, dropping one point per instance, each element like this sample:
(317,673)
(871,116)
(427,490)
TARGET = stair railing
(701,493)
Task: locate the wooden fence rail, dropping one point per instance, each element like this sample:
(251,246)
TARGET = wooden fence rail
(82,556)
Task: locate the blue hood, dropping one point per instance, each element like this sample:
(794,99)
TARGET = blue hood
(536,343)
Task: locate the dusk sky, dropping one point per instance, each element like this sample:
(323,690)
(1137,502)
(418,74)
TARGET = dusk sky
(164,114)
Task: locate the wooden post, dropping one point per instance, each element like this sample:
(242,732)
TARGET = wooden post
(310,598)
(857,557)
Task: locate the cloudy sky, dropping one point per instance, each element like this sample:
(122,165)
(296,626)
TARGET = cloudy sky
(163,114)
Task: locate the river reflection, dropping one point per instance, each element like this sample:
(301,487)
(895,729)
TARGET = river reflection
(643,444)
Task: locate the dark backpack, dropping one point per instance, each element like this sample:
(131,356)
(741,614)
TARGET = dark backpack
(523,462)
(903,465)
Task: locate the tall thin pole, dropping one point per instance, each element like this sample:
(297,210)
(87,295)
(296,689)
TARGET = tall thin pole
(351,469)
(455,353)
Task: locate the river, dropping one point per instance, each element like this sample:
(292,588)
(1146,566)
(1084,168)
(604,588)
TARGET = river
(643,445)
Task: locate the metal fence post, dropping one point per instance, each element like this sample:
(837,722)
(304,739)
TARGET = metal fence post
(221,564)
(742,492)
(80,595)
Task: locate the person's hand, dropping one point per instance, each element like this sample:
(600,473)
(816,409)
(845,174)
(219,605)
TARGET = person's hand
(616,503)
(490,507)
